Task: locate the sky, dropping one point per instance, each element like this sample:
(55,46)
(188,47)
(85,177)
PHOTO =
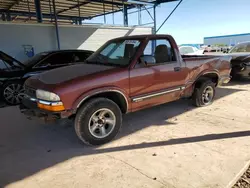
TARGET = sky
(194,19)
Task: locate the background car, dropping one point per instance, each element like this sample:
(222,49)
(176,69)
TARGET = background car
(241,60)
(13,73)
(190,50)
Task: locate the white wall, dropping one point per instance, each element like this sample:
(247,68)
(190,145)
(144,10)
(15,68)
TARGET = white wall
(43,37)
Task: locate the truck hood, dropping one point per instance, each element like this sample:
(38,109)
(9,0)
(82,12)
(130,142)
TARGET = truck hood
(10,60)
(63,74)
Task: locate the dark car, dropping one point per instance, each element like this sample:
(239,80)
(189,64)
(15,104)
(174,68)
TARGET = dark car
(240,60)
(13,73)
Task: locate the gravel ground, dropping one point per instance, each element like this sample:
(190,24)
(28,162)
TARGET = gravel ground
(244,181)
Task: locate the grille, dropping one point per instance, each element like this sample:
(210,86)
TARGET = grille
(30,91)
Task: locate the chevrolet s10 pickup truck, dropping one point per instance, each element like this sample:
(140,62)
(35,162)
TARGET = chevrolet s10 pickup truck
(125,75)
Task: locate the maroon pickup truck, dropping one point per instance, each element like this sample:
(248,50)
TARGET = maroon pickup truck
(125,75)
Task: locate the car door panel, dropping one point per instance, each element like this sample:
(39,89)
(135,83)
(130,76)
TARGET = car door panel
(160,82)
(156,85)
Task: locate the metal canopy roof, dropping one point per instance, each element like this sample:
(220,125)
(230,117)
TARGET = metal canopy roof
(66,10)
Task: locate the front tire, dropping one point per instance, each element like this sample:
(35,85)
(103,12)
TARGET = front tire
(204,93)
(13,93)
(98,121)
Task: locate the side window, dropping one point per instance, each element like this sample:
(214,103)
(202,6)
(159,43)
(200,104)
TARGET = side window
(3,65)
(80,56)
(121,51)
(57,59)
(108,49)
(162,51)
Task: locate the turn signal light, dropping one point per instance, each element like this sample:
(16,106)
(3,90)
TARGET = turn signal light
(51,108)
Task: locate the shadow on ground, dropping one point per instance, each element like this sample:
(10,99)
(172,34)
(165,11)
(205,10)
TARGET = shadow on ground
(27,148)
(2,104)
(238,82)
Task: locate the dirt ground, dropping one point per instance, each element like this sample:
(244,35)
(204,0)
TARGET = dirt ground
(172,145)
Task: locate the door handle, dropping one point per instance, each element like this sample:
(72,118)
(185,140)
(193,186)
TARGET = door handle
(176,69)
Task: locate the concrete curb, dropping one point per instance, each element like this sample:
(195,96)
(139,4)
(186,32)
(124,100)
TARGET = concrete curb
(237,177)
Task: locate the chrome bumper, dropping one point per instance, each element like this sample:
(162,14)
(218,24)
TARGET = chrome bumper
(224,80)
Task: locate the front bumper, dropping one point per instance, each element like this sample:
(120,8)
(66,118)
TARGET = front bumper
(243,72)
(224,79)
(30,109)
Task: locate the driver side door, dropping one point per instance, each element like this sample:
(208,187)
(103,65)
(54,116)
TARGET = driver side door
(158,82)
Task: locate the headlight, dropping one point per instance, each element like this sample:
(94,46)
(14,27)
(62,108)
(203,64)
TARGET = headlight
(247,63)
(48,96)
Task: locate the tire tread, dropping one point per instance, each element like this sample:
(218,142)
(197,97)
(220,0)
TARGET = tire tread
(82,112)
(196,97)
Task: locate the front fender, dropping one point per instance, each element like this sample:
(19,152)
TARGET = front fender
(80,100)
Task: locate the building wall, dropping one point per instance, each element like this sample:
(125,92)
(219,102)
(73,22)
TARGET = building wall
(42,37)
(228,40)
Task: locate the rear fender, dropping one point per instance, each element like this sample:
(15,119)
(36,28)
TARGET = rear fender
(208,74)
(190,86)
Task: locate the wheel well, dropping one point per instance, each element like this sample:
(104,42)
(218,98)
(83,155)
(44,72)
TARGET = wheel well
(210,76)
(114,96)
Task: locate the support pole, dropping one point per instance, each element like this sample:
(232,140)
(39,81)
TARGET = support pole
(154,32)
(145,8)
(113,16)
(104,11)
(39,15)
(28,3)
(8,17)
(50,11)
(79,13)
(169,16)
(56,24)
(139,15)
(125,15)
(3,17)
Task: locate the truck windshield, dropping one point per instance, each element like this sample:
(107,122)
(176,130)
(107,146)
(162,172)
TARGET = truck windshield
(115,53)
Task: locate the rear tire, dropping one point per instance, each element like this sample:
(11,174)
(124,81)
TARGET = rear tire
(98,121)
(204,94)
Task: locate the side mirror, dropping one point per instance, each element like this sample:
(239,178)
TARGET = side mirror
(148,59)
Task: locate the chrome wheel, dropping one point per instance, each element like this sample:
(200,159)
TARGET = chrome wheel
(208,95)
(13,93)
(102,123)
